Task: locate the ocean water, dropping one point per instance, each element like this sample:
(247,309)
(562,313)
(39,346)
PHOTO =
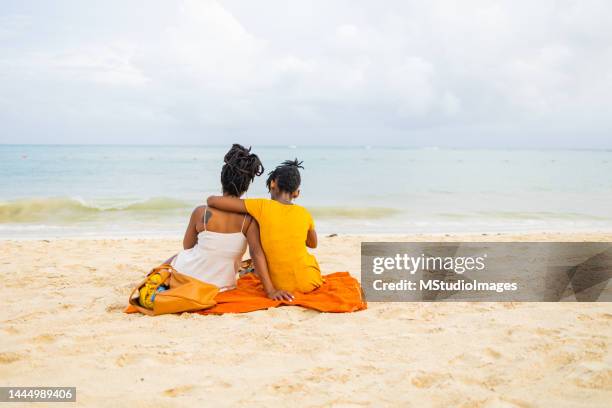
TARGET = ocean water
(55,191)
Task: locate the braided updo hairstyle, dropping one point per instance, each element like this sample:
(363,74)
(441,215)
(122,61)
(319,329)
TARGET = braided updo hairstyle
(240,168)
(287,176)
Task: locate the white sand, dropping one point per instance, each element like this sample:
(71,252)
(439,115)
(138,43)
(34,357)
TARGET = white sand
(62,325)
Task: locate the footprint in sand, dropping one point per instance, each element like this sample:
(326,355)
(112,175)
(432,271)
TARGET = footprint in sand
(510,305)
(302,315)
(467,358)
(287,387)
(22,282)
(115,307)
(178,391)
(595,377)
(10,357)
(321,370)
(125,289)
(285,326)
(493,353)
(129,268)
(27,318)
(126,359)
(100,281)
(45,338)
(328,376)
(547,332)
(170,357)
(370,369)
(395,313)
(428,380)
(438,329)
(11,330)
(497,402)
(562,358)
(344,403)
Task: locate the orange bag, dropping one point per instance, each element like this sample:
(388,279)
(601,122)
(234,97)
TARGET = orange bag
(185,294)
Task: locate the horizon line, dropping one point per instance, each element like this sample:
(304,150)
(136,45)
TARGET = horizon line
(292,146)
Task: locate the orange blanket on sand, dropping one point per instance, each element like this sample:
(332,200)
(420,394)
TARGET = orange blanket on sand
(339,293)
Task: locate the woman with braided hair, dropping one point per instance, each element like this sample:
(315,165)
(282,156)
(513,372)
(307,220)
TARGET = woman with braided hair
(216,240)
(286,229)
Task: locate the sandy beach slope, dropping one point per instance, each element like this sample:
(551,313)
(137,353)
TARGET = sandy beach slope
(62,325)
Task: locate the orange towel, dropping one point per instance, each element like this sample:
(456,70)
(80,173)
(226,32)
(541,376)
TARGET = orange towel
(339,293)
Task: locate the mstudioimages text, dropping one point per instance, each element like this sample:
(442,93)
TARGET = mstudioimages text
(410,264)
(440,285)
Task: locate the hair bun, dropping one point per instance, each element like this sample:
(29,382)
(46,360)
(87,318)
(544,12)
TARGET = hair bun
(293,163)
(236,152)
(240,169)
(241,158)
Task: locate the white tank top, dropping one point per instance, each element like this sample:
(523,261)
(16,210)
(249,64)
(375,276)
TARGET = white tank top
(215,258)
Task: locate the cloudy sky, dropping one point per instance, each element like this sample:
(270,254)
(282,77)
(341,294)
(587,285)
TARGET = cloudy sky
(415,73)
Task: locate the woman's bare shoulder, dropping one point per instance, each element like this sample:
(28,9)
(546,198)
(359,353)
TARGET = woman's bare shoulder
(198,212)
(219,215)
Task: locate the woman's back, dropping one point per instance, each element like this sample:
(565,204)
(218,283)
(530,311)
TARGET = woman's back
(211,219)
(219,247)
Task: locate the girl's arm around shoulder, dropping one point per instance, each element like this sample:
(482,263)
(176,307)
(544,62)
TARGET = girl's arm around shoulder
(227,203)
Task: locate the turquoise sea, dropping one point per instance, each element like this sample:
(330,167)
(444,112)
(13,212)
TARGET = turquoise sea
(71,190)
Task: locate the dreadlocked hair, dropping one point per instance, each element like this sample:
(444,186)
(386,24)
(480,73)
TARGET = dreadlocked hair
(240,168)
(287,176)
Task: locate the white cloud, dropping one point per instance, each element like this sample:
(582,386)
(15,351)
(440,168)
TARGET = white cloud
(342,70)
(107,65)
(12,25)
(539,82)
(208,45)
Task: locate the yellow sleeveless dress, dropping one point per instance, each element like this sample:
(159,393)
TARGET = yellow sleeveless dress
(283,230)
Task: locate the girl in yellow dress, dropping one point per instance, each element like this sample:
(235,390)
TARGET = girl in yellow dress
(286,229)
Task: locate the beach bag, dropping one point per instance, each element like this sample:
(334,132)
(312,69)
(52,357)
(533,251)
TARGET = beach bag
(183,293)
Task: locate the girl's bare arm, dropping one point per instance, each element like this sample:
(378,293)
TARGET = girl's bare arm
(311,239)
(261,265)
(226,203)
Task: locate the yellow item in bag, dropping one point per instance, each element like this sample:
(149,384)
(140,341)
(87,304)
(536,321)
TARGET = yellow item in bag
(148,290)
